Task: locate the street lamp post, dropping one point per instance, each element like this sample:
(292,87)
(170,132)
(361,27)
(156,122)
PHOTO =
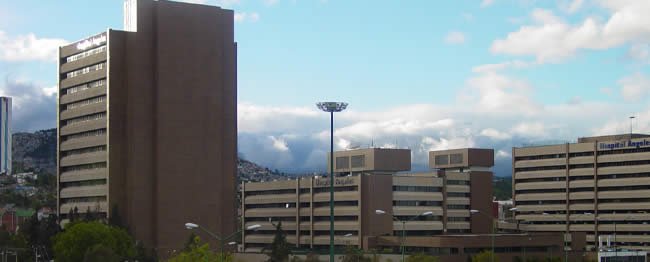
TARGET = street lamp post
(332,107)
(221,240)
(382,212)
(474,211)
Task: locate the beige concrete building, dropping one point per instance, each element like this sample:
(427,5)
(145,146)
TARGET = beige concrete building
(600,185)
(147,122)
(373,179)
(367,180)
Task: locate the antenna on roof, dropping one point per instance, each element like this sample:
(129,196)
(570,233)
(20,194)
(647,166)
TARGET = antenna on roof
(631,119)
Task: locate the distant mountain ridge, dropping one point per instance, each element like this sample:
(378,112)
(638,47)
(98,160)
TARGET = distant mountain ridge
(37,151)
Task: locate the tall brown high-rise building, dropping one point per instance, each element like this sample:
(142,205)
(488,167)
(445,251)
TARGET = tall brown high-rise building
(147,122)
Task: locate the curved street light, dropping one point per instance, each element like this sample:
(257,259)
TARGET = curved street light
(191,226)
(382,212)
(332,107)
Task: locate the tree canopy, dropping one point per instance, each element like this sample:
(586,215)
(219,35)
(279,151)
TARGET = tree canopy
(485,256)
(79,237)
(280,250)
(195,251)
(421,258)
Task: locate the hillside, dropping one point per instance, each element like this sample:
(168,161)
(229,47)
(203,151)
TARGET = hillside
(34,151)
(37,151)
(249,171)
(502,188)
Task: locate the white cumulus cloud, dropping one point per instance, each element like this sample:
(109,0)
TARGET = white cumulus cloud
(496,93)
(279,144)
(29,48)
(536,129)
(552,39)
(634,87)
(503,154)
(517,64)
(495,134)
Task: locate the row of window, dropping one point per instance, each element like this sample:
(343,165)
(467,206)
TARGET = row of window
(457,219)
(625,163)
(98,132)
(82,87)
(457,206)
(544,179)
(630,175)
(416,203)
(600,165)
(539,157)
(337,203)
(85,70)
(84,151)
(589,153)
(81,55)
(270,192)
(85,102)
(540,168)
(419,218)
(84,183)
(336,189)
(86,118)
(457,182)
(457,194)
(84,167)
(417,188)
(541,202)
(624,151)
(83,199)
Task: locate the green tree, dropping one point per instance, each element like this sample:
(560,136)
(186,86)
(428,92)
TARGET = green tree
(485,256)
(199,252)
(190,242)
(421,258)
(280,250)
(353,254)
(20,241)
(78,237)
(100,253)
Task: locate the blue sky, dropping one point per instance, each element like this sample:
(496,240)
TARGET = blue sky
(420,74)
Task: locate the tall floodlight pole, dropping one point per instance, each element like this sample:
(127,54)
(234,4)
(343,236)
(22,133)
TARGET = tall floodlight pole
(332,107)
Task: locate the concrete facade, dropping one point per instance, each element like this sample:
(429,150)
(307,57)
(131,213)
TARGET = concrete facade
(453,248)
(303,204)
(600,185)
(147,122)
